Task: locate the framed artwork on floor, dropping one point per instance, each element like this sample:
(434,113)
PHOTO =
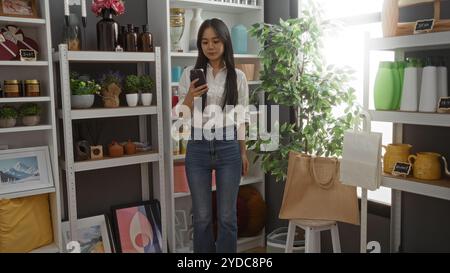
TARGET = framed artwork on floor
(19,8)
(138,227)
(93,235)
(25,170)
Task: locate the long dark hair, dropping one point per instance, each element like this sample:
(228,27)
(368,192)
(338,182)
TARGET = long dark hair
(219,27)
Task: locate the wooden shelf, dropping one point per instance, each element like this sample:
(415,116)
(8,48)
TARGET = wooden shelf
(416,118)
(427,41)
(24,99)
(27,193)
(107,57)
(94,113)
(21,22)
(214,6)
(108,162)
(20,63)
(438,188)
(18,129)
(244,181)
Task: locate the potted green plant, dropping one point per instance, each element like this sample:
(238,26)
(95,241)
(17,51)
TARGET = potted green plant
(83,92)
(146,85)
(111,83)
(132,85)
(8,117)
(30,113)
(295,76)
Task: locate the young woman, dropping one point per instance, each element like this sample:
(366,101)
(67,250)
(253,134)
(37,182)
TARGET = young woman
(225,154)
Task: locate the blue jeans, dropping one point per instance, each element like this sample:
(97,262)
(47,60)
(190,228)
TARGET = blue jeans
(225,158)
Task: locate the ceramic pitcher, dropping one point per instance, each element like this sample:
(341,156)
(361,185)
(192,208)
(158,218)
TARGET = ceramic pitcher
(427,166)
(395,153)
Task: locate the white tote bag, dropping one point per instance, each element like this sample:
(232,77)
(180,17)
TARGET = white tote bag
(361,157)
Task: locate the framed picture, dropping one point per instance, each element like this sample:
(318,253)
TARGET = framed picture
(19,8)
(138,227)
(25,170)
(93,234)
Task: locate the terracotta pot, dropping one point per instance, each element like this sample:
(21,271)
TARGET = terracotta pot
(115,149)
(130,148)
(395,153)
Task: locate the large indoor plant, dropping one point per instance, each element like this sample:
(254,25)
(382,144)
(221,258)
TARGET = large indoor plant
(295,75)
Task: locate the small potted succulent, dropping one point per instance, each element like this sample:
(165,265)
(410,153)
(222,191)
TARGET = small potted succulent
(30,113)
(83,92)
(146,85)
(8,117)
(111,83)
(132,85)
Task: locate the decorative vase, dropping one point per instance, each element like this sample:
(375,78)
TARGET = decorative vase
(31,120)
(132,99)
(107,32)
(82,101)
(146,99)
(176,28)
(130,148)
(239,37)
(115,149)
(110,96)
(196,22)
(426,166)
(395,153)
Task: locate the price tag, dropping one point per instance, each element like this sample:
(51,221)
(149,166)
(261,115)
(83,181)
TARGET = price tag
(424,26)
(28,55)
(401,169)
(444,105)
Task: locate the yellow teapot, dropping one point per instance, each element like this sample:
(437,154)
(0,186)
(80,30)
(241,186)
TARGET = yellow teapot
(395,153)
(427,166)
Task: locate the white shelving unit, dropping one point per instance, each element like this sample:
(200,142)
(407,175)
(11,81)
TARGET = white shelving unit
(437,189)
(231,14)
(154,113)
(43,134)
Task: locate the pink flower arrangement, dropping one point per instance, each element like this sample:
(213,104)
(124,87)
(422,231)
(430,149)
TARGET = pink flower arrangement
(116,6)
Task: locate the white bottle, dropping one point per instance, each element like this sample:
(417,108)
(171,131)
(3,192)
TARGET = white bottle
(429,88)
(442,80)
(196,22)
(411,88)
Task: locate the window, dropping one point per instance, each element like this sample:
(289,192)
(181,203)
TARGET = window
(345,47)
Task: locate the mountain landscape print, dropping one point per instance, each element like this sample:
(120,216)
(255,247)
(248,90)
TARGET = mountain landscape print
(19,170)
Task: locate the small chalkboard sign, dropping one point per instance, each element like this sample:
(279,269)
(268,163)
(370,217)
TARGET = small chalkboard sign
(401,169)
(28,55)
(444,105)
(424,26)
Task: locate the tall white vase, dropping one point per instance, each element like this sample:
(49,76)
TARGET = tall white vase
(196,22)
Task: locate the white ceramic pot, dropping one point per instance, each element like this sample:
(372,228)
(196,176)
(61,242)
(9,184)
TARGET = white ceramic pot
(146,99)
(429,90)
(31,120)
(411,90)
(132,99)
(82,101)
(442,82)
(7,122)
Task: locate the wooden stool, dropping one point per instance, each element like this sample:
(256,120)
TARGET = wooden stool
(312,230)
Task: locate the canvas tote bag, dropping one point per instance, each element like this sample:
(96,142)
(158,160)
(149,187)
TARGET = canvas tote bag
(313,191)
(361,157)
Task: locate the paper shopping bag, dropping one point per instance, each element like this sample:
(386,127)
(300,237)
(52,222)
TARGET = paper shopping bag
(313,191)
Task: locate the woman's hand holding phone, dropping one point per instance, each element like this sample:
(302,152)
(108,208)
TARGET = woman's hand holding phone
(195,92)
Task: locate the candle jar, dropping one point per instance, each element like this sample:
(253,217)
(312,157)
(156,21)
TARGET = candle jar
(32,88)
(12,88)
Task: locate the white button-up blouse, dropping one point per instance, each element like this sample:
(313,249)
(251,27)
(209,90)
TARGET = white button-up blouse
(215,94)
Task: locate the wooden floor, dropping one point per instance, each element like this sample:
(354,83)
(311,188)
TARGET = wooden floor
(257,250)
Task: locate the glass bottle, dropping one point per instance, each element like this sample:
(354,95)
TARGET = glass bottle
(72,33)
(146,40)
(131,39)
(107,31)
(122,36)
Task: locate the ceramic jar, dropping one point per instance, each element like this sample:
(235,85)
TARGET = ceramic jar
(395,153)
(130,148)
(115,150)
(426,166)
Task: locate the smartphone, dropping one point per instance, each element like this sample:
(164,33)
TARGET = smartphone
(198,74)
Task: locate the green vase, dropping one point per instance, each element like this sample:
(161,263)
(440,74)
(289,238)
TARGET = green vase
(385,86)
(401,65)
(397,85)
